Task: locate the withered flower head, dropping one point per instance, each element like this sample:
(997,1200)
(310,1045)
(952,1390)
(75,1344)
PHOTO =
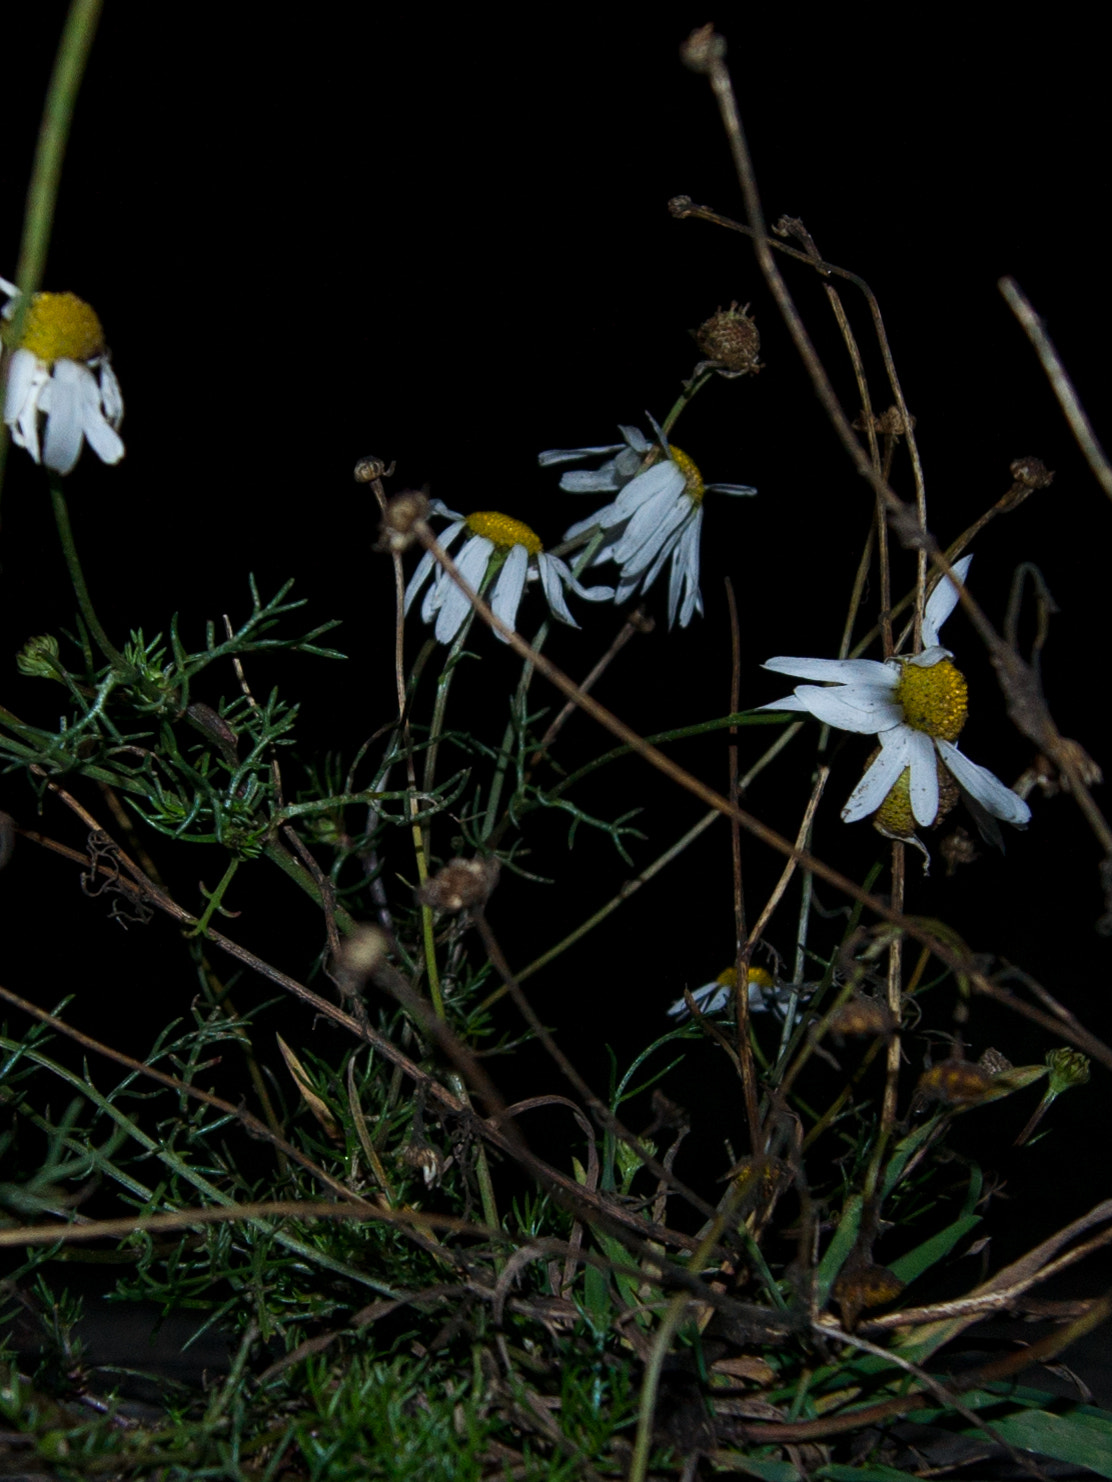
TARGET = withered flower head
(399,517)
(729,338)
(460,884)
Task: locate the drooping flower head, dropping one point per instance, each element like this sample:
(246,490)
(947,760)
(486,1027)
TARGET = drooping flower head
(657,515)
(500,550)
(59,373)
(916,707)
(764,994)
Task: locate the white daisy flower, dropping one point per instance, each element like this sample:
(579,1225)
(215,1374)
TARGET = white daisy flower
(916,707)
(711,998)
(505,549)
(657,515)
(60,371)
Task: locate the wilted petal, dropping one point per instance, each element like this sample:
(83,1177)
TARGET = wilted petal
(881,776)
(983,785)
(942,601)
(866,709)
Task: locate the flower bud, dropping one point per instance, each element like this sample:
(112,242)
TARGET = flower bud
(1067,1068)
(39,658)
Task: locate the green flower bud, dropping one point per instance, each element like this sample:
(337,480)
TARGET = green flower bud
(39,658)
(1067,1068)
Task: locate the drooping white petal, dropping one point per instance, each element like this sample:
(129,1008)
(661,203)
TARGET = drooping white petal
(573,455)
(942,601)
(605,518)
(508,587)
(684,575)
(866,709)
(27,378)
(881,776)
(553,588)
(66,400)
(453,605)
(589,594)
(924,777)
(654,528)
(426,563)
(111,397)
(583,481)
(837,671)
(789,702)
(983,785)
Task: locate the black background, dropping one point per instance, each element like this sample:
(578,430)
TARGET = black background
(445,241)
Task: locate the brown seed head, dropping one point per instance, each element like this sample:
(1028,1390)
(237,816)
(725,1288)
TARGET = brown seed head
(958,1082)
(398,519)
(729,337)
(460,884)
(861,1016)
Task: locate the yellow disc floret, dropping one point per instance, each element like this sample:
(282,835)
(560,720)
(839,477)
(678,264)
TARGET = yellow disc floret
(757,975)
(61,326)
(895,817)
(935,699)
(503,532)
(693,479)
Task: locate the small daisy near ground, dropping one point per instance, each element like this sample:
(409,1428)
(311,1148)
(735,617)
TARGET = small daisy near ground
(502,552)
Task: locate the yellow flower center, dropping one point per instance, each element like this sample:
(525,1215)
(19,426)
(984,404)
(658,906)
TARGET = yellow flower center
(934,699)
(503,532)
(728,979)
(693,479)
(61,326)
(895,817)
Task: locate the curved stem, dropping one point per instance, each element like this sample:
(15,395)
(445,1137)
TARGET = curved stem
(77,577)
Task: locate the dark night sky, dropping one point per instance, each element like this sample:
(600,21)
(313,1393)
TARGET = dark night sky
(449,245)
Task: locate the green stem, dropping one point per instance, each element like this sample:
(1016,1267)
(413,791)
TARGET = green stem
(77,577)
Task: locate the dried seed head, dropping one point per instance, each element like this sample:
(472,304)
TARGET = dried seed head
(862,1016)
(421,1155)
(862,1286)
(957,1082)
(361,954)
(370,468)
(401,514)
(702,49)
(729,338)
(460,884)
(994,1062)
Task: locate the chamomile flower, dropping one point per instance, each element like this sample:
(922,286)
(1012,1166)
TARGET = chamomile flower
(504,550)
(656,516)
(711,998)
(59,372)
(916,707)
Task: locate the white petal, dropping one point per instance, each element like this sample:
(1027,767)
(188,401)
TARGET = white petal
(66,402)
(859,708)
(931,656)
(603,481)
(111,397)
(589,594)
(663,480)
(709,999)
(790,702)
(924,777)
(426,563)
(880,777)
(508,587)
(655,527)
(553,587)
(942,601)
(837,671)
(983,785)
(572,455)
(453,605)
(685,572)
(730,489)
